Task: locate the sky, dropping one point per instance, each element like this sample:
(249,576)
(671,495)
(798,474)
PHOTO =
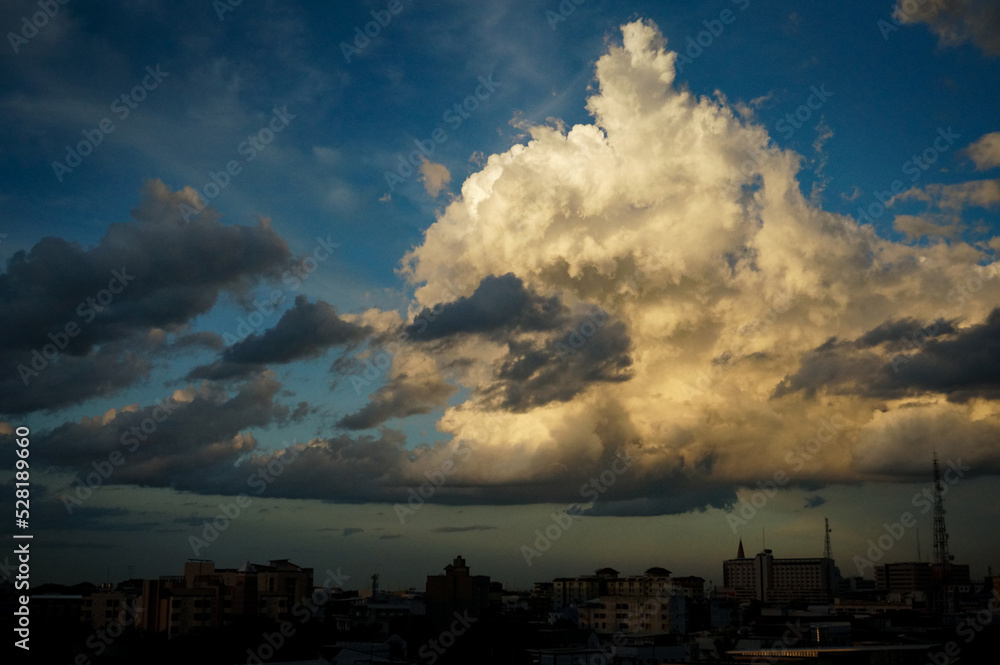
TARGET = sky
(553,286)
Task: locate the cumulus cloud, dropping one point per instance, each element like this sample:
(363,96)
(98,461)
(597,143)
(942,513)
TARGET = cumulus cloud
(980,193)
(956,21)
(188,441)
(916,227)
(742,301)
(306,330)
(986,151)
(434,176)
(416,387)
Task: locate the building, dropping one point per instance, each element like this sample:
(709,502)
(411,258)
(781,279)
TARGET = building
(574,591)
(654,582)
(634,615)
(764,578)
(690,587)
(907,577)
(456,591)
(206,596)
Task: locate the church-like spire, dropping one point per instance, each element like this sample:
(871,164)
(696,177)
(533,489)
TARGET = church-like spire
(739,552)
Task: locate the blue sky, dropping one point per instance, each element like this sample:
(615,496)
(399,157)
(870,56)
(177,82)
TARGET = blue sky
(605,250)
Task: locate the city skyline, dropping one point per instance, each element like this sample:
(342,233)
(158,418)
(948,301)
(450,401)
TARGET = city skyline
(554,286)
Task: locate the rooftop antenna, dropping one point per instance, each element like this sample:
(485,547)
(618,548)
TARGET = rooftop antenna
(920,558)
(763,538)
(941,554)
(827,549)
(942,558)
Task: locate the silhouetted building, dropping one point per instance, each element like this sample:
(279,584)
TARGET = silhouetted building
(456,591)
(904,577)
(655,582)
(574,591)
(767,579)
(690,587)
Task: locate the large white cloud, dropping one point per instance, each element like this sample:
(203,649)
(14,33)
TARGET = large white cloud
(683,221)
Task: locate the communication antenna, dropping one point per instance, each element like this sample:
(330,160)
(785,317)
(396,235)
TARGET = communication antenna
(827,549)
(941,554)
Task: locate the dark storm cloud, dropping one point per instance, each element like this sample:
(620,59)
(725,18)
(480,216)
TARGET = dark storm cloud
(306,330)
(960,363)
(901,331)
(673,493)
(70,379)
(534,374)
(183,444)
(205,340)
(814,502)
(368,468)
(403,396)
(552,355)
(498,303)
(965,365)
(156,271)
(834,366)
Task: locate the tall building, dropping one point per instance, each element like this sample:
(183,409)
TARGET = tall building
(767,579)
(456,591)
(905,577)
